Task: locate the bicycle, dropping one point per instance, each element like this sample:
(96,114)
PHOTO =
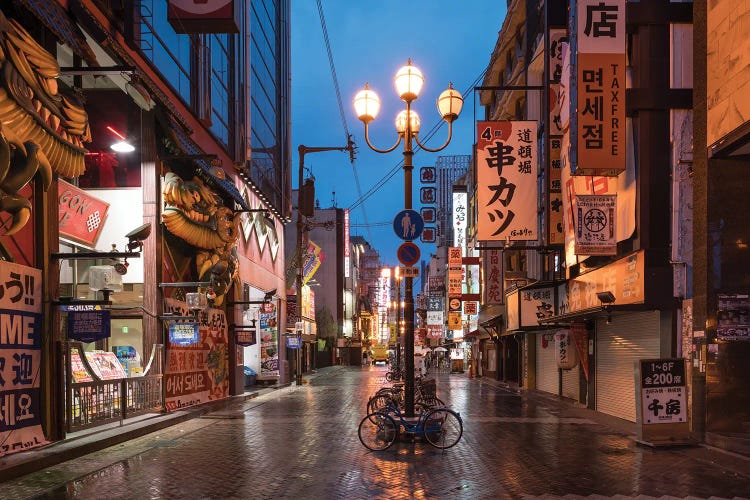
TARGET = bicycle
(424,396)
(441,427)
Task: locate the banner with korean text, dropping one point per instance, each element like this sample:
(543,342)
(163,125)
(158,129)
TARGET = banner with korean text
(199,372)
(20,358)
(507,168)
(599,124)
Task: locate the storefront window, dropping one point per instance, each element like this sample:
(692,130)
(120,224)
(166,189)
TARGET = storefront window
(221,84)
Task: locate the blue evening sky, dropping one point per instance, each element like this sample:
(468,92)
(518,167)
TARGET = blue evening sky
(448,40)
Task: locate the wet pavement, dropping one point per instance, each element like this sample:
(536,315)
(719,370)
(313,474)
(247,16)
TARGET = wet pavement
(301,442)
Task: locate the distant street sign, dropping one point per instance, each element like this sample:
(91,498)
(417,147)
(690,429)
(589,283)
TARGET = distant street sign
(428,235)
(408,253)
(408,225)
(409,272)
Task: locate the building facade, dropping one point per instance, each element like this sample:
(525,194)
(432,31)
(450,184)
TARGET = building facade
(172,310)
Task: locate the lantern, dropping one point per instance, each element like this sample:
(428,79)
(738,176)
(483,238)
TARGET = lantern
(565,350)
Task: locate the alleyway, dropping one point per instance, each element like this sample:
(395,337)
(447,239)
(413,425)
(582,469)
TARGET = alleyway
(302,443)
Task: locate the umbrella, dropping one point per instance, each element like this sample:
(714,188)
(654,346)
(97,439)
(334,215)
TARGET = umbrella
(440,349)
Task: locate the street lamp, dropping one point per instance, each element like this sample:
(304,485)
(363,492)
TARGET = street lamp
(408,81)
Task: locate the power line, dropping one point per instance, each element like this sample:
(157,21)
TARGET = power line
(341,107)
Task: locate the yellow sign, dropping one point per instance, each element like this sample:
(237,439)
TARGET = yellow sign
(454,321)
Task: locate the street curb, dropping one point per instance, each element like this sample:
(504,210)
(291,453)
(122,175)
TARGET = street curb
(16,465)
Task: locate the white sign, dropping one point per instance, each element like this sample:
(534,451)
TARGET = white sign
(347,260)
(601,26)
(409,272)
(459,221)
(595,218)
(507,170)
(664,405)
(435,318)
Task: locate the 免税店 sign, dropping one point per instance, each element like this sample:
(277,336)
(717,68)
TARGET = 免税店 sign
(599,124)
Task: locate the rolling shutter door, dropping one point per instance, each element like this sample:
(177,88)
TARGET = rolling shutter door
(618,346)
(570,383)
(546,366)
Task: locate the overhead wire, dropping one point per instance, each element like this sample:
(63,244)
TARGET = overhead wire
(341,110)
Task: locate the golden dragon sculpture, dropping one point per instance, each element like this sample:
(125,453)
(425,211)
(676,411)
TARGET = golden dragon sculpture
(45,129)
(197,215)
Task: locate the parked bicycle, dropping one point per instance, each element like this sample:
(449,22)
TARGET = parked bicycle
(441,427)
(424,396)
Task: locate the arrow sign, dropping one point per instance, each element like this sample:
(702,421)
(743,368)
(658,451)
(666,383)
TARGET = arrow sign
(408,225)
(408,253)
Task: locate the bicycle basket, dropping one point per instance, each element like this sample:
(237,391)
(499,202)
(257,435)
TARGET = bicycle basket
(429,387)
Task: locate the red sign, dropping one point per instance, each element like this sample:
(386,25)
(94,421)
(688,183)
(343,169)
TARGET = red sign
(204,16)
(81,215)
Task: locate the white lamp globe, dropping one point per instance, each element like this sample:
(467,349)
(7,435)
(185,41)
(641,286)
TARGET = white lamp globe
(413,118)
(409,81)
(366,104)
(450,103)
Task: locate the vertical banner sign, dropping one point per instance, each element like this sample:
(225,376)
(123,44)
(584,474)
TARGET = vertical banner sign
(455,272)
(595,224)
(198,372)
(600,121)
(347,260)
(555,235)
(20,358)
(507,168)
(492,272)
(459,221)
(557,39)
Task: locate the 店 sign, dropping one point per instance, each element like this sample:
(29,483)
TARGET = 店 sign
(507,168)
(595,219)
(81,216)
(599,123)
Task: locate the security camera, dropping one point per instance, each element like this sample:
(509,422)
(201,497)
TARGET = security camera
(137,235)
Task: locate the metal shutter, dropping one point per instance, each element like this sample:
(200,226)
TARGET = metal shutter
(618,346)
(570,383)
(546,366)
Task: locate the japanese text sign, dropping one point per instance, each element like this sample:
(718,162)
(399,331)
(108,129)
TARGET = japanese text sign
(599,123)
(555,230)
(492,272)
(20,358)
(663,394)
(595,219)
(507,168)
(459,220)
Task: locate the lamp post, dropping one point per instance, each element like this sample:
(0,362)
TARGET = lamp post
(408,81)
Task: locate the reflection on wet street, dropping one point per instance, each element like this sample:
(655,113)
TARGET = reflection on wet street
(302,443)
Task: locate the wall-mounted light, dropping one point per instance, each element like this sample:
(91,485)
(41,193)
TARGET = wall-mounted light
(121,145)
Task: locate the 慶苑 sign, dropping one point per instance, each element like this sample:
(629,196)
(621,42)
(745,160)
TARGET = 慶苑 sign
(408,253)
(184,334)
(20,393)
(507,169)
(595,219)
(599,124)
(408,224)
(81,215)
(492,276)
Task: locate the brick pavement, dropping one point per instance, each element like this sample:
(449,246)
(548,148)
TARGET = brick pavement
(302,443)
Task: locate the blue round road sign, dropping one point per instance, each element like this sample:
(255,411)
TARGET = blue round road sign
(408,225)
(408,253)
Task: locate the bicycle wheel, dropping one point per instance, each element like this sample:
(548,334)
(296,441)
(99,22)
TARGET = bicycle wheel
(443,428)
(377,431)
(377,403)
